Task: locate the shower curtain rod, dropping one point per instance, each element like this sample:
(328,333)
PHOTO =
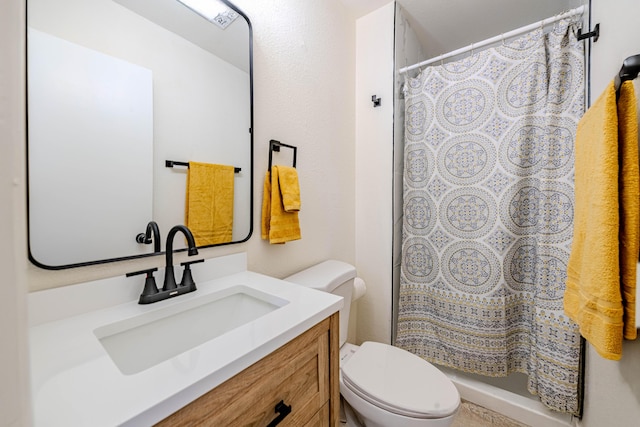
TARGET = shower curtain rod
(502,37)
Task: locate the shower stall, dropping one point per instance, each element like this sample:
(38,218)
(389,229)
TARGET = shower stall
(507,395)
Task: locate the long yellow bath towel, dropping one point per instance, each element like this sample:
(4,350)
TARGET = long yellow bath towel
(600,291)
(209,204)
(278,224)
(629,202)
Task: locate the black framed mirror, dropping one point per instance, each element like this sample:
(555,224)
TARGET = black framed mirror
(116,90)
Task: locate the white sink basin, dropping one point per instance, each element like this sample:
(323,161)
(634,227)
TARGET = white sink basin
(143,341)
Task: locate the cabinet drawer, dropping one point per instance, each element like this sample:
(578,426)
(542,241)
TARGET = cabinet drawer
(297,374)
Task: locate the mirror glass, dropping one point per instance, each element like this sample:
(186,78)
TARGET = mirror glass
(115,89)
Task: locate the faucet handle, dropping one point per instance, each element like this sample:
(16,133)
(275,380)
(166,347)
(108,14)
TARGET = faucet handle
(188,263)
(150,287)
(187,278)
(145,238)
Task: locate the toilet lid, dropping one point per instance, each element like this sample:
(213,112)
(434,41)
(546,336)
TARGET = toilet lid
(400,382)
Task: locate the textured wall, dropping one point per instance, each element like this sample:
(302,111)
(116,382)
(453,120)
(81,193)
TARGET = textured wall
(304,83)
(14,409)
(374,171)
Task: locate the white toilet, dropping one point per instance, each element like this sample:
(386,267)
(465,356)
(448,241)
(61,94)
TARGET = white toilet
(385,385)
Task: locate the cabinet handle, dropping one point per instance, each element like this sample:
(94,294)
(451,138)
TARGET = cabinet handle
(282,410)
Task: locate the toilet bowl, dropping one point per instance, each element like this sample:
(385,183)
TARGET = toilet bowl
(385,386)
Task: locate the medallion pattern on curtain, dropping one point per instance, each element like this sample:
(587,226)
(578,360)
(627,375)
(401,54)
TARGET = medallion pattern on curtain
(488,213)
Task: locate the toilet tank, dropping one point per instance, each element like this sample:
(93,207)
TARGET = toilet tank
(335,277)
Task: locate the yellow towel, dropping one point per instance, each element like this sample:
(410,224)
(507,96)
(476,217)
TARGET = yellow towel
(278,225)
(604,217)
(289,188)
(265,218)
(629,201)
(209,203)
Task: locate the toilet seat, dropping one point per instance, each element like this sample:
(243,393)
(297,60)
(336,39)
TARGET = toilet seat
(399,382)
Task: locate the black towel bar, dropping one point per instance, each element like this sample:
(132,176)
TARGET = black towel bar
(629,71)
(172,163)
(275,146)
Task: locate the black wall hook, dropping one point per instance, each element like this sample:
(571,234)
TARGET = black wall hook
(595,34)
(376,101)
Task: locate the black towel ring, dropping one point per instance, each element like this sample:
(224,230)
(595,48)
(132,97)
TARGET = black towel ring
(275,146)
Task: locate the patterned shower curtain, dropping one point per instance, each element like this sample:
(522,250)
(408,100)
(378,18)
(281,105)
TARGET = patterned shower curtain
(488,212)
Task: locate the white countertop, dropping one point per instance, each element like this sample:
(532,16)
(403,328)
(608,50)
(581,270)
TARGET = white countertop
(75,382)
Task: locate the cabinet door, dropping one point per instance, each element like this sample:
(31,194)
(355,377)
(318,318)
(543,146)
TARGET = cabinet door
(296,374)
(321,418)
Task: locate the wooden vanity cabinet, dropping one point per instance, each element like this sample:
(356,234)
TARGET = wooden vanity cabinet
(303,374)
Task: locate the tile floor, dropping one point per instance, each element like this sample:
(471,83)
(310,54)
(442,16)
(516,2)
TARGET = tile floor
(472,415)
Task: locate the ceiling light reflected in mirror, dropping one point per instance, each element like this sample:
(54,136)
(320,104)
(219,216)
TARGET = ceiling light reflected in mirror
(218,13)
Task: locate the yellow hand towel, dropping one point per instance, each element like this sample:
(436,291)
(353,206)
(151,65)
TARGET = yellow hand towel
(593,296)
(278,225)
(289,188)
(209,204)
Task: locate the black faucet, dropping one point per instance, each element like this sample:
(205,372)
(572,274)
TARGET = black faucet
(151,293)
(169,277)
(152,228)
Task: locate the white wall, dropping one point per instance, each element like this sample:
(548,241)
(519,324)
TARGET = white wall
(74,149)
(304,53)
(374,170)
(612,389)
(14,406)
